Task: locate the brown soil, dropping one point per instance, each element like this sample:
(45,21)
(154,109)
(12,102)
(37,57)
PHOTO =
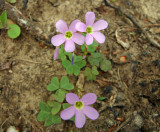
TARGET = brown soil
(134,92)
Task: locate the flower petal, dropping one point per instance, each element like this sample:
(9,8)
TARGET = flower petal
(73,24)
(88,39)
(90,112)
(100,25)
(89,98)
(71,98)
(56,52)
(80,119)
(61,26)
(78,38)
(69,46)
(57,40)
(99,37)
(90,17)
(80,26)
(68,113)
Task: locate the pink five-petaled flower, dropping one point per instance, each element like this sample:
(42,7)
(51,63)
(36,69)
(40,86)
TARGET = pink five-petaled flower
(80,108)
(69,36)
(92,29)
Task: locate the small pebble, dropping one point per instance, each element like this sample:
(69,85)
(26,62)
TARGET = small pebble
(10,71)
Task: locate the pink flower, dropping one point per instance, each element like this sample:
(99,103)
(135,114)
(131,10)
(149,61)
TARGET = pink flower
(56,52)
(69,36)
(92,29)
(80,108)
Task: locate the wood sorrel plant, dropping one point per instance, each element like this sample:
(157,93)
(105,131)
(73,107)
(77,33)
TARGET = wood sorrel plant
(13,30)
(75,108)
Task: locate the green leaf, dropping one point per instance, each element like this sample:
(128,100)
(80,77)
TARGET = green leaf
(76,70)
(81,64)
(93,61)
(83,48)
(69,86)
(11,1)
(14,31)
(64,81)
(92,47)
(94,70)
(43,106)
(60,95)
(77,58)
(101,98)
(43,115)
(50,103)
(54,85)
(105,65)
(55,108)
(69,69)
(53,119)
(3,19)
(91,77)
(66,63)
(96,55)
(66,105)
(87,71)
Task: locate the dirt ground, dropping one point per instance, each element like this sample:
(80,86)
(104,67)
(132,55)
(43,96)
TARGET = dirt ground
(132,89)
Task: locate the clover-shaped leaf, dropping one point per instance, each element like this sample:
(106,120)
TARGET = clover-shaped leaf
(75,67)
(54,85)
(91,73)
(105,65)
(95,59)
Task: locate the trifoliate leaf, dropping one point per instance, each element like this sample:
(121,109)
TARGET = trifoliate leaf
(14,31)
(105,65)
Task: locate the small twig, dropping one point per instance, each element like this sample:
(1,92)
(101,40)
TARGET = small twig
(3,123)
(124,123)
(148,36)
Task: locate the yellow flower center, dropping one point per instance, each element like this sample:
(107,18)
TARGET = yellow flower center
(89,30)
(79,105)
(68,34)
